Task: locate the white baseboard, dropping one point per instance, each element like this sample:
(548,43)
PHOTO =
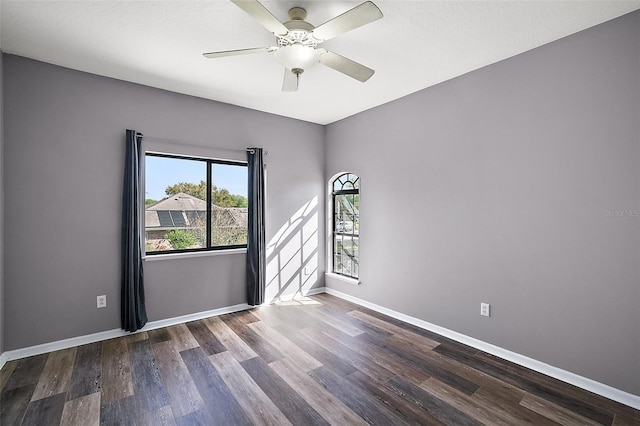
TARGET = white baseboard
(566,376)
(3,359)
(110,334)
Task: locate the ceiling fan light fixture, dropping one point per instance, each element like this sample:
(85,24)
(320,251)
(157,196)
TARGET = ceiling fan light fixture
(297,40)
(297,56)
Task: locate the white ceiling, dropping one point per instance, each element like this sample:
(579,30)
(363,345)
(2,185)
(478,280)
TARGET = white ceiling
(416,45)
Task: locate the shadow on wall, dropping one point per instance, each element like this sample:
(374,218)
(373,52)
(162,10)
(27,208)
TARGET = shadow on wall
(292,255)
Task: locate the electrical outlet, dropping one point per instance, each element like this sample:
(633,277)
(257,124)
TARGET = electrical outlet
(485,309)
(101,301)
(306,271)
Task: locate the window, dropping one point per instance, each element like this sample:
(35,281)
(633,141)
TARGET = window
(346,224)
(194,204)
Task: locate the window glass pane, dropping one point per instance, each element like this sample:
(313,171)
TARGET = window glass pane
(356,181)
(349,253)
(346,216)
(338,265)
(346,255)
(356,213)
(229,214)
(175,189)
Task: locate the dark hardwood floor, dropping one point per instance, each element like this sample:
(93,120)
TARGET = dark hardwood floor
(319,360)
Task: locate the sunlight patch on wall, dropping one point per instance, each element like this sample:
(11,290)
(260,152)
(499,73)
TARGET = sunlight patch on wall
(292,255)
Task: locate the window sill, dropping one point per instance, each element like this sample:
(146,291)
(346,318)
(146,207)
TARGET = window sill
(342,278)
(155,257)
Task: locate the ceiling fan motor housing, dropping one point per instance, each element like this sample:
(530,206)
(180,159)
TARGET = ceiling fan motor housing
(297,14)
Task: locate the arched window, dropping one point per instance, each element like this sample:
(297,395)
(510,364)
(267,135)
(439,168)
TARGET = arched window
(346,224)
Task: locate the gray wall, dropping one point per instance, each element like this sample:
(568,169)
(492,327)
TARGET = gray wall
(64,154)
(517,185)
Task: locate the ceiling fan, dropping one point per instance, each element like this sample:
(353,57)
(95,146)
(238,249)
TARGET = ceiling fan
(297,40)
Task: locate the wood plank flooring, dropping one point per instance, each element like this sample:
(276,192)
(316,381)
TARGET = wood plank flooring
(316,361)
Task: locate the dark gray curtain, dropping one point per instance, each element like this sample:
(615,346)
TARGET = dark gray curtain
(256,247)
(132,309)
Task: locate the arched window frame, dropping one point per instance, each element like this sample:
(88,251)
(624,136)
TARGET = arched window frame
(344,222)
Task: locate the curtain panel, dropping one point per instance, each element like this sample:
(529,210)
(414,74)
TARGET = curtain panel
(133,311)
(256,246)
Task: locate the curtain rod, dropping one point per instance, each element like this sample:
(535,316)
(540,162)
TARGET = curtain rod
(184,142)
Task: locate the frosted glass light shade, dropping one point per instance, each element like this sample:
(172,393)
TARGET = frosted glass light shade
(297,56)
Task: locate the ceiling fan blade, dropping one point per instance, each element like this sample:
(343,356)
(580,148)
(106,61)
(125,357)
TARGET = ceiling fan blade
(262,15)
(290,81)
(360,15)
(346,66)
(224,53)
